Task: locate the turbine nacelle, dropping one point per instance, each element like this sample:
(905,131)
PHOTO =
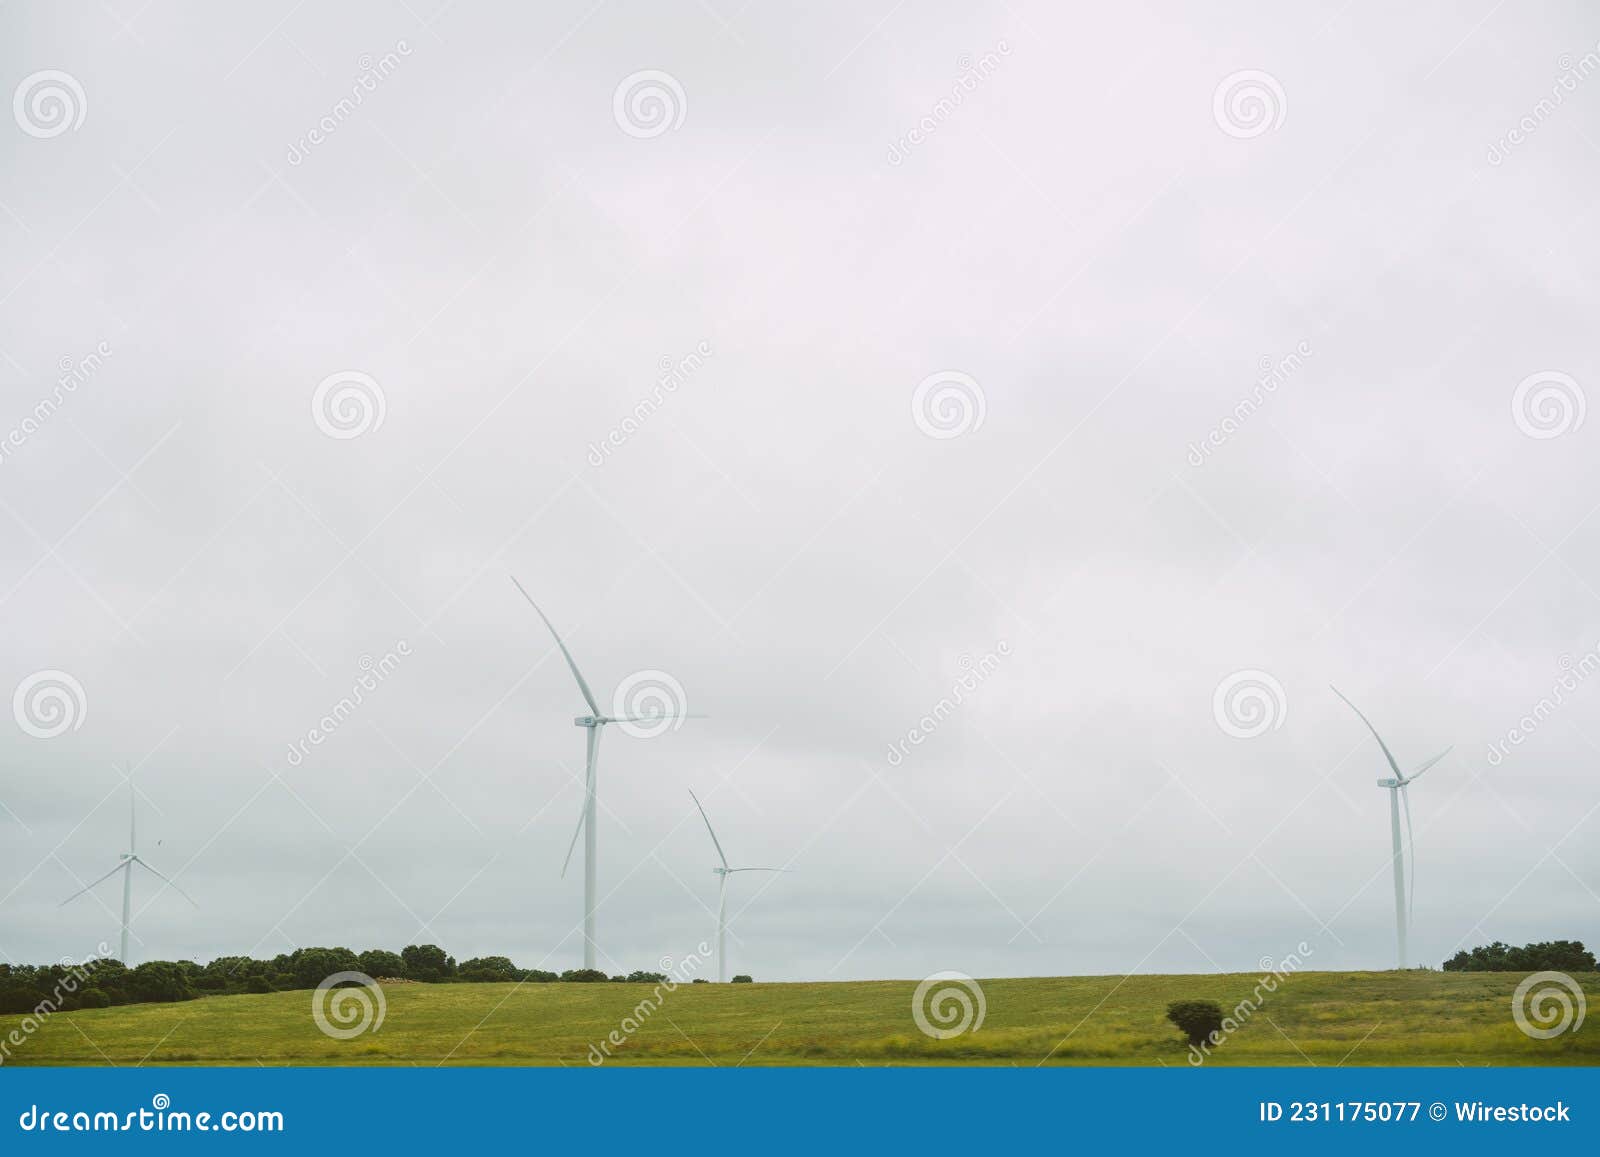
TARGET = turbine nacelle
(1390,783)
(657,717)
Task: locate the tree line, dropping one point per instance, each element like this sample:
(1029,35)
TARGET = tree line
(100,983)
(1546,956)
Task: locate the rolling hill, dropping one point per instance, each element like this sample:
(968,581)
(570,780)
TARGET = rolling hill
(1323,1018)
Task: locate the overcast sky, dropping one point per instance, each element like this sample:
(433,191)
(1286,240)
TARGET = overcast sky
(963,299)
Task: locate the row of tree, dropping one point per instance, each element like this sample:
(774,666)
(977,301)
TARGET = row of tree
(100,983)
(1548,956)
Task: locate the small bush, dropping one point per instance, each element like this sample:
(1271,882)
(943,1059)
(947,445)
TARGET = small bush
(539,976)
(1197,1019)
(699,980)
(258,984)
(641,977)
(94,998)
(742,978)
(584,976)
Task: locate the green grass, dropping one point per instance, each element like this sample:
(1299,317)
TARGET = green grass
(1326,1018)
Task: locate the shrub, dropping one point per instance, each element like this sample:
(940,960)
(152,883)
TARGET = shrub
(427,962)
(94,998)
(742,978)
(258,984)
(111,975)
(312,966)
(583,976)
(16,997)
(159,981)
(699,980)
(488,968)
(1198,1019)
(376,962)
(539,976)
(642,977)
(209,981)
(227,971)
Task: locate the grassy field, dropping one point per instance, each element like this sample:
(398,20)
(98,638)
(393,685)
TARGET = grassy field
(1324,1018)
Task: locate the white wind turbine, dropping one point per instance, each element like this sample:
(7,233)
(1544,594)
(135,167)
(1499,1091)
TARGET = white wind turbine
(586,818)
(1404,903)
(722,892)
(125,866)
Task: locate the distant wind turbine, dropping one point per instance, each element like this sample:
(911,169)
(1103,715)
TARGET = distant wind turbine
(125,866)
(1404,903)
(586,818)
(722,892)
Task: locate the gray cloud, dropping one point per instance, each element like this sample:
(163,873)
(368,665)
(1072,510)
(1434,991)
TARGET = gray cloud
(511,267)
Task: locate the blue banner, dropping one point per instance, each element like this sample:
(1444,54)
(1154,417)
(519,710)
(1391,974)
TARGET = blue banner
(778,1110)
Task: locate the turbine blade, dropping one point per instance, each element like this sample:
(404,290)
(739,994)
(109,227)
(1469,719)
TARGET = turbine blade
(1430,763)
(588,696)
(133,807)
(760,869)
(1386,753)
(170,883)
(660,715)
(588,790)
(86,887)
(723,856)
(583,813)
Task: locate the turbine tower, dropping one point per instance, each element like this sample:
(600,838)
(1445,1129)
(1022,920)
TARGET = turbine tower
(1404,902)
(722,892)
(125,866)
(592,723)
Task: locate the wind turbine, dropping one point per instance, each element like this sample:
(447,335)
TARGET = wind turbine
(125,866)
(1404,903)
(593,722)
(722,892)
